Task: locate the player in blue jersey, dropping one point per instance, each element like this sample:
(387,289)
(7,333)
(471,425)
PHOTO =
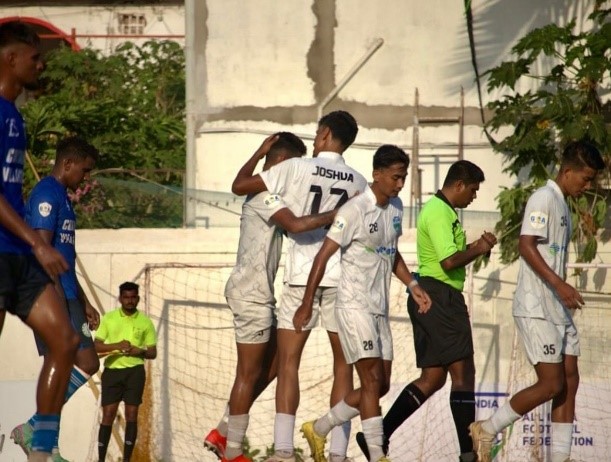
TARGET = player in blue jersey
(49,211)
(27,262)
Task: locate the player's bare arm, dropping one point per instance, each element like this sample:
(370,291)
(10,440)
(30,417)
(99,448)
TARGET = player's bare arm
(47,237)
(50,259)
(304,312)
(93,315)
(287,220)
(403,273)
(568,295)
(462,258)
(245,182)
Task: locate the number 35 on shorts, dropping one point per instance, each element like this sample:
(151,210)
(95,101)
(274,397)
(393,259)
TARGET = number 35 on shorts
(549,349)
(367,345)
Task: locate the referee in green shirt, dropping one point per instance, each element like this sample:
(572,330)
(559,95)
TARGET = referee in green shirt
(442,336)
(127,337)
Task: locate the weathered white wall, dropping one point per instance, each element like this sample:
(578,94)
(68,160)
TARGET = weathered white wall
(102,20)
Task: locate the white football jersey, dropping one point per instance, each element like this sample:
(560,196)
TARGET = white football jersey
(546,216)
(310,186)
(259,251)
(368,235)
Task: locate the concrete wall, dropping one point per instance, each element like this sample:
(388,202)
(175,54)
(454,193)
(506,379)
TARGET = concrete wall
(161,20)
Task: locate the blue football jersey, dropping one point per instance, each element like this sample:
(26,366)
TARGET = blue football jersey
(12,154)
(49,208)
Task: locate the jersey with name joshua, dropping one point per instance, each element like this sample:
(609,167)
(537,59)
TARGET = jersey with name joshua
(259,251)
(49,208)
(310,186)
(12,153)
(368,235)
(546,216)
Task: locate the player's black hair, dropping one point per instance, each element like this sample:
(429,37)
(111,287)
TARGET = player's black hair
(388,155)
(580,154)
(342,125)
(288,143)
(464,171)
(75,148)
(128,286)
(18,32)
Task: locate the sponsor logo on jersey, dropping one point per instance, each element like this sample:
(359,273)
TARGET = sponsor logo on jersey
(396,223)
(333,174)
(272,200)
(382,250)
(44,208)
(538,220)
(555,248)
(338,225)
(68,225)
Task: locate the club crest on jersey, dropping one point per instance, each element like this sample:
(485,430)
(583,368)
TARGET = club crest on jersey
(85,330)
(396,223)
(44,208)
(338,225)
(272,200)
(538,220)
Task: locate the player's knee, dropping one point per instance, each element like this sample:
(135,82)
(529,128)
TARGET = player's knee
(89,365)
(248,375)
(553,388)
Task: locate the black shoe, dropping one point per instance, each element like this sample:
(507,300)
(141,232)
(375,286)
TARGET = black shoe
(360,440)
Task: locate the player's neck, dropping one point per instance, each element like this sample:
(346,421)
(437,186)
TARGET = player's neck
(59,177)
(381,198)
(10,90)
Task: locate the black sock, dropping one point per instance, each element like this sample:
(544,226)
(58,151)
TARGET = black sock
(462,404)
(408,402)
(103,440)
(131,432)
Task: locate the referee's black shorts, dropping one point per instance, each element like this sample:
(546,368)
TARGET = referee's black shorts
(125,385)
(443,334)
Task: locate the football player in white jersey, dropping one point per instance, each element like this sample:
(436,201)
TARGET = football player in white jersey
(367,230)
(309,186)
(542,305)
(250,294)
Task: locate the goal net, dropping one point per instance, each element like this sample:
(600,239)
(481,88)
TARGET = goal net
(191,378)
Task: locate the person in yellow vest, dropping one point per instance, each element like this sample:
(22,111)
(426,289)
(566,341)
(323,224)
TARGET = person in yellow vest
(127,336)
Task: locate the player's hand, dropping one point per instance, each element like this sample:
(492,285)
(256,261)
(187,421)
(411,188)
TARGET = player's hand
(124,346)
(569,296)
(50,259)
(302,317)
(421,298)
(266,146)
(93,316)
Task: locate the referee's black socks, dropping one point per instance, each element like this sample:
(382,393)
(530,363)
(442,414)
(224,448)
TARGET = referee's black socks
(408,402)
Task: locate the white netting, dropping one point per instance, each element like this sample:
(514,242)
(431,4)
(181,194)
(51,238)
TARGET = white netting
(194,370)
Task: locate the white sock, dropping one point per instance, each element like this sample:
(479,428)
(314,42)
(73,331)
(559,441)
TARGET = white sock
(501,419)
(236,430)
(284,427)
(562,437)
(222,425)
(339,414)
(339,439)
(374,436)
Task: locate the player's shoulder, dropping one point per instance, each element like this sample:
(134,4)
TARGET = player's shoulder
(396,203)
(48,186)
